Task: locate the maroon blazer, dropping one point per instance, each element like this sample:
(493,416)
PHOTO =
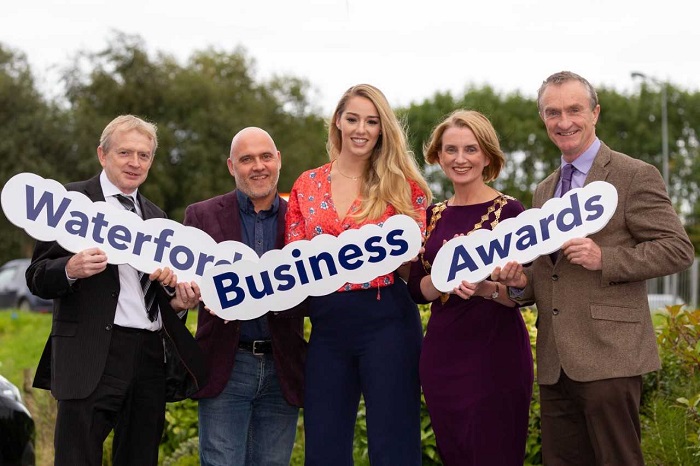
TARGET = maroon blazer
(220,218)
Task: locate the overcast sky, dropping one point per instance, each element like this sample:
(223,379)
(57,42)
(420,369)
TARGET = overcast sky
(408,48)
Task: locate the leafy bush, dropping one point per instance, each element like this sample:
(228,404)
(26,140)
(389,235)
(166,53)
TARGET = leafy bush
(670,417)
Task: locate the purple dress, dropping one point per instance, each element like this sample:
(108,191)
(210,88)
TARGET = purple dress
(476,366)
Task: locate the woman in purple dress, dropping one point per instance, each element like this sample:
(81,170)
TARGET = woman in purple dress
(476,365)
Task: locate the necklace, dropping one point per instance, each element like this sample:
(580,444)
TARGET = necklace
(353,178)
(436,214)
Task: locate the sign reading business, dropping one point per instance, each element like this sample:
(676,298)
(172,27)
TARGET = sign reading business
(283,278)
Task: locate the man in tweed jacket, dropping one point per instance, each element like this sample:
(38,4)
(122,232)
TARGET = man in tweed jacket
(595,336)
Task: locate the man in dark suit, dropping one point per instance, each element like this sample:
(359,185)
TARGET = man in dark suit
(248,411)
(104,360)
(595,337)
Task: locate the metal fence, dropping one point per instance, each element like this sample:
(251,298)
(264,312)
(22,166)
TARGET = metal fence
(680,288)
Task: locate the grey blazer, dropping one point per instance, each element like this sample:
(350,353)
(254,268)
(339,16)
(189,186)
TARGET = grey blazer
(596,324)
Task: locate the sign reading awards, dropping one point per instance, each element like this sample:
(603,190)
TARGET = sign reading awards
(533,233)
(47,212)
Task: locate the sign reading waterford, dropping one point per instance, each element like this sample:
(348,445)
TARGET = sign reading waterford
(283,278)
(533,233)
(47,212)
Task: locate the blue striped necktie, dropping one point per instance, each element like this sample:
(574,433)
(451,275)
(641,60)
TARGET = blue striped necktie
(149,292)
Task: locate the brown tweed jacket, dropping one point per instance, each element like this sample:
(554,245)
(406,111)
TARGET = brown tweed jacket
(596,324)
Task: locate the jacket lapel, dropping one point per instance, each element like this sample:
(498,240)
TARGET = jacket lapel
(599,170)
(229,217)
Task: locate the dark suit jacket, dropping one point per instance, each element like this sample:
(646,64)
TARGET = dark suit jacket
(75,354)
(220,218)
(596,324)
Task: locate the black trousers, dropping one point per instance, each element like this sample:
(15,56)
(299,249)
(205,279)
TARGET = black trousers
(129,399)
(591,423)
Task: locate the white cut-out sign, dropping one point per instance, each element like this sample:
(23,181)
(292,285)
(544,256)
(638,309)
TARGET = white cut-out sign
(283,278)
(47,212)
(533,233)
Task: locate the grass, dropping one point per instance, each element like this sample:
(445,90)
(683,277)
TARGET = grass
(22,339)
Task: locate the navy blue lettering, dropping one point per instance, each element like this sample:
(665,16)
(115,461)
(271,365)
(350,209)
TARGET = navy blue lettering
(544,226)
(287,278)
(99,221)
(392,240)
(161,243)
(460,260)
(79,224)
(372,247)
(301,271)
(139,240)
(46,201)
(204,259)
(315,261)
(223,289)
(527,237)
(494,247)
(349,253)
(117,236)
(595,209)
(574,210)
(189,257)
(267,285)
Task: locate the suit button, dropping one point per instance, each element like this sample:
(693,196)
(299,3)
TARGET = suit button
(555,277)
(114,294)
(555,311)
(108,327)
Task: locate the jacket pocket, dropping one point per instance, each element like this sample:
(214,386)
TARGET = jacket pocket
(64,329)
(615,313)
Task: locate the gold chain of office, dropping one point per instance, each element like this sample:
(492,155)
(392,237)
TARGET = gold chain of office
(436,214)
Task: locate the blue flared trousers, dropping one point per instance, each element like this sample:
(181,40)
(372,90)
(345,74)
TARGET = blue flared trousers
(363,342)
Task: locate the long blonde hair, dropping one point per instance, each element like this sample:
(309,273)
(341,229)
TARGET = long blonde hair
(391,164)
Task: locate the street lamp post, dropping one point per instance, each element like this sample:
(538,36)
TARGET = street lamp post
(664,146)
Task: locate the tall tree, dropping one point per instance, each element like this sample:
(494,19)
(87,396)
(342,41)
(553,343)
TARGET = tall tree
(198,107)
(33,138)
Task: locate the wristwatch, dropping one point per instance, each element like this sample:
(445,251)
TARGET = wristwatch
(495,294)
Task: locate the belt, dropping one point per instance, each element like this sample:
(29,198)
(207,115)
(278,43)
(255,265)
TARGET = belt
(257,347)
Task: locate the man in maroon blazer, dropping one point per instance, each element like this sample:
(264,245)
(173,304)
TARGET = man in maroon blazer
(248,411)
(595,337)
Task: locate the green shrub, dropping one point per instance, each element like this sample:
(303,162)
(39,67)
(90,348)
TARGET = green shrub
(671,398)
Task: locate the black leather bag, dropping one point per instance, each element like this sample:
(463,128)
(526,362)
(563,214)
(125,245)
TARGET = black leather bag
(185,370)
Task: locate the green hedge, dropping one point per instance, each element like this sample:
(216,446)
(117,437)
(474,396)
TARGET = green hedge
(670,401)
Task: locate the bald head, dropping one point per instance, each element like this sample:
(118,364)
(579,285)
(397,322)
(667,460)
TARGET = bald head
(250,132)
(255,163)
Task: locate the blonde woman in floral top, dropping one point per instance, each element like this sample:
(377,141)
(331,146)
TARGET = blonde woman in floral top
(366,337)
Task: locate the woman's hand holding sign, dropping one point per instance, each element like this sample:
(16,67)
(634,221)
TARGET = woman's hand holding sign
(510,274)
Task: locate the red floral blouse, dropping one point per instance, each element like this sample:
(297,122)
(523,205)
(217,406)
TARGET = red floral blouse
(311,212)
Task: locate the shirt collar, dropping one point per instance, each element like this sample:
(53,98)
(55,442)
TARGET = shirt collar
(245,204)
(109,189)
(584,162)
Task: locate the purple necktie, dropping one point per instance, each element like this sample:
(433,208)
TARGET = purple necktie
(567,172)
